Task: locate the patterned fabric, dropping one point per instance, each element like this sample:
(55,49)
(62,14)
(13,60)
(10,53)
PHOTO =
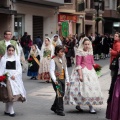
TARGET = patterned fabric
(47,53)
(44,69)
(65,29)
(86,92)
(62,75)
(44,76)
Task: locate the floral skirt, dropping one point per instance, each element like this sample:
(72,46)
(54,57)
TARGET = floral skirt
(44,76)
(44,69)
(87,92)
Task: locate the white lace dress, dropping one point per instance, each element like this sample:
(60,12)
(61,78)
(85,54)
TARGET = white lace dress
(88,91)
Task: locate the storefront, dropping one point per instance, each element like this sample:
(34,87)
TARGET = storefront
(67,24)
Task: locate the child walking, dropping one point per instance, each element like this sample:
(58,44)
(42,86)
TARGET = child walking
(84,85)
(59,73)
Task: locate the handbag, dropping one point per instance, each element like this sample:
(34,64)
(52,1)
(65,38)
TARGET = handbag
(115,64)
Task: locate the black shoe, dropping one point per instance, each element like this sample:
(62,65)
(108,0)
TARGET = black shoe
(5,113)
(12,115)
(35,78)
(47,81)
(53,110)
(79,109)
(61,113)
(31,78)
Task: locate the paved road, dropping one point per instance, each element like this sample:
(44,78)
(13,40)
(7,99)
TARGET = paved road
(40,97)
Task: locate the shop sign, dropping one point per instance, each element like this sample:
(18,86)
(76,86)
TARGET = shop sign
(63,17)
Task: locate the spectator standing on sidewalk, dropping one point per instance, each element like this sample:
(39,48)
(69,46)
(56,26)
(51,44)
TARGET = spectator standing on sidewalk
(113,52)
(38,42)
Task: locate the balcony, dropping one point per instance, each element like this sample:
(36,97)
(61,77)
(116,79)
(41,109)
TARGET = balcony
(5,9)
(111,14)
(49,3)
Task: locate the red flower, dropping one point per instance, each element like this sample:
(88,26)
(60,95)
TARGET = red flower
(3,78)
(97,67)
(53,56)
(30,60)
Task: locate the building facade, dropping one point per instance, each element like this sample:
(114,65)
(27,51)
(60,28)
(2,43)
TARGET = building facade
(37,17)
(84,12)
(68,14)
(112,18)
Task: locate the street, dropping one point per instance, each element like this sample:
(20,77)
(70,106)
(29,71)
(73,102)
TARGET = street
(40,96)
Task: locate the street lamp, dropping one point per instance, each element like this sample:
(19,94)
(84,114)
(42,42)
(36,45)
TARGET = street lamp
(97,4)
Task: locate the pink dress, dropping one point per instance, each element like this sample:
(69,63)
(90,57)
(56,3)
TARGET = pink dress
(88,91)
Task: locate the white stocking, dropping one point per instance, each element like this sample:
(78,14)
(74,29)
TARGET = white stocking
(91,108)
(9,108)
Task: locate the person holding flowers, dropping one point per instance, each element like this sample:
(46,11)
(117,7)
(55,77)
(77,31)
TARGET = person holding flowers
(59,75)
(84,85)
(11,81)
(47,51)
(33,62)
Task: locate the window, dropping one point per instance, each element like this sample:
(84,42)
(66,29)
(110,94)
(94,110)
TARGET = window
(18,25)
(107,4)
(67,1)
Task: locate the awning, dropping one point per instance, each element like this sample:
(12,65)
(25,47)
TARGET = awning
(7,11)
(52,3)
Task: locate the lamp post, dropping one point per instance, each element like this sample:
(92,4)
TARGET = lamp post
(97,7)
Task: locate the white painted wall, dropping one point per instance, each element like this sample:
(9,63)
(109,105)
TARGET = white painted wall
(50,25)
(50,20)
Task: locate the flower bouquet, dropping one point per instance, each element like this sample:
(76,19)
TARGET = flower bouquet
(97,68)
(3,87)
(30,62)
(4,77)
(59,90)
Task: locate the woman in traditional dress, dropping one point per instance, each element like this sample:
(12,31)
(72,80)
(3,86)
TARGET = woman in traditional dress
(33,62)
(14,88)
(56,40)
(47,52)
(84,85)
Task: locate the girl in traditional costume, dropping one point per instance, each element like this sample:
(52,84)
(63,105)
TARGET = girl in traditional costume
(12,89)
(33,62)
(84,85)
(47,52)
